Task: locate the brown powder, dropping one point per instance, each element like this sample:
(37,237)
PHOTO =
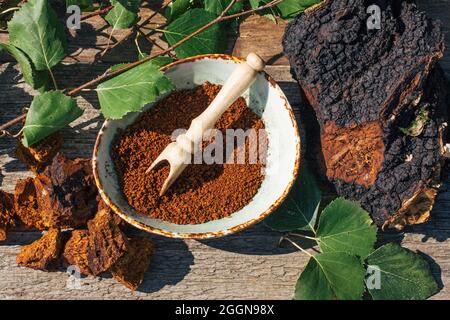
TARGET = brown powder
(203,192)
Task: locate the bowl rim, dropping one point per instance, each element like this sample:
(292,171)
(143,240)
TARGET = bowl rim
(204,235)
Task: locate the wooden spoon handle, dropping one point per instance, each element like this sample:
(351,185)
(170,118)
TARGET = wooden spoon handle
(239,81)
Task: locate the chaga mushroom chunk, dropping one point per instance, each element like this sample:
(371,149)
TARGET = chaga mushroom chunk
(130,268)
(76,251)
(107,243)
(354,153)
(6,213)
(26,206)
(43,254)
(39,155)
(380,102)
(66,192)
(351,74)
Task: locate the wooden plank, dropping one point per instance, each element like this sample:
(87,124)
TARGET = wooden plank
(247,265)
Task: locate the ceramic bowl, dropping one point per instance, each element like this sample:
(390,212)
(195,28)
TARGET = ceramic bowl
(265,98)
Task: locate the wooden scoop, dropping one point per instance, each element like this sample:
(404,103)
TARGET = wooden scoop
(179,153)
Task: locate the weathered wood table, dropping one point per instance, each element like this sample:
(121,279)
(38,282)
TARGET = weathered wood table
(247,265)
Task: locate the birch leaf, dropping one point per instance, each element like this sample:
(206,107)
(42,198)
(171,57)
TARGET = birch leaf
(49,112)
(124,14)
(404,275)
(211,40)
(36,30)
(132,90)
(36,79)
(346,227)
(331,276)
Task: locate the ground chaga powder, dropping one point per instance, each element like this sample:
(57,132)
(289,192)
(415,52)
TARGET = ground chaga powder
(203,192)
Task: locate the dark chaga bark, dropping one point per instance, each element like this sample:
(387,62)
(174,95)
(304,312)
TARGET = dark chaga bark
(379,102)
(66,192)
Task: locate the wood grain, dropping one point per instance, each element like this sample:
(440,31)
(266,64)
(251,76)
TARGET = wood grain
(247,265)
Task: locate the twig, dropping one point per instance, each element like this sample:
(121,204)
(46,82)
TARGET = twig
(13,122)
(149,57)
(132,30)
(107,74)
(153,42)
(96,13)
(250,11)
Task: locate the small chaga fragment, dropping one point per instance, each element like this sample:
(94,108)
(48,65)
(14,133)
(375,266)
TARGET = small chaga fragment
(107,243)
(130,268)
(66,192)
(76,251)
(40,154)
(26,206)
(6,213)
(43,254)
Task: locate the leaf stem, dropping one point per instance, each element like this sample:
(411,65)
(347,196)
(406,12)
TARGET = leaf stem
(302,236)
(53,78)
(298,247)
(136,42)
(9,10)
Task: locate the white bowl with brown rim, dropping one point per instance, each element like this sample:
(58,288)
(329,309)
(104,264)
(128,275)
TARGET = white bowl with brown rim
(265,98)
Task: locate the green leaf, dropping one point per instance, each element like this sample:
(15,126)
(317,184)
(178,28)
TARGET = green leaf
(131,90)
(330,276)
(346,227)
(217,6)
(288,9)
(36,30)
(36,79)
(124,14)
(404,275)
(299,210)
(176,9)
(85,5)
(49,112)
(211,40)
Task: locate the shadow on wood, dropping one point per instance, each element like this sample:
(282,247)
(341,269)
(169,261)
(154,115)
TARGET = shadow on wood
(257,240)
(435,269)
(169,265)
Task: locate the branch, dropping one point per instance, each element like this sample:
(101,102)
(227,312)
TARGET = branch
(96,13)
(132,30)
(108,74)
(250,11)
(12,122)
(152,56)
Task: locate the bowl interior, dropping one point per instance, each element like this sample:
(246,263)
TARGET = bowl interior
(266,99)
